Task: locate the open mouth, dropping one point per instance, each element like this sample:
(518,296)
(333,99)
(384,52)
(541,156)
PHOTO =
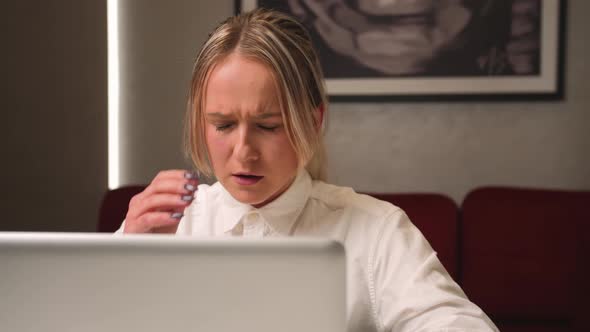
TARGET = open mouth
(247,179)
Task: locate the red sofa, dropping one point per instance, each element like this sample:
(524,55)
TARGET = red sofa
(520,254)
(523,257)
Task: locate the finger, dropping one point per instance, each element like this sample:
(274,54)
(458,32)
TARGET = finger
(172,181)
(166,229)
(175,174)
(177,212)
(173,186)
(158,202)
(154,220)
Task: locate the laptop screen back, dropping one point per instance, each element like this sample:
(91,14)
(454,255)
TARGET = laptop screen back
(92,282)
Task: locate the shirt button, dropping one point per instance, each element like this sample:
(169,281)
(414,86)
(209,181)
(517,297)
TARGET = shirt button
(251,220)
(252,217)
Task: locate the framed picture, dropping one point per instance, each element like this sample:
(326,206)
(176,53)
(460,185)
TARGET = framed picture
(426,50)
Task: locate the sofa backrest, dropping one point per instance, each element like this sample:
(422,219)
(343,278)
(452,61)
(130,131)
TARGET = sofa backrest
(520,255)
(113,207)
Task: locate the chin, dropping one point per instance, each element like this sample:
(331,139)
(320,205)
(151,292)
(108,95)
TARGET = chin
(248,197)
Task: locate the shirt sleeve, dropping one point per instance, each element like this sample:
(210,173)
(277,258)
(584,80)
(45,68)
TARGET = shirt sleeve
(413,291)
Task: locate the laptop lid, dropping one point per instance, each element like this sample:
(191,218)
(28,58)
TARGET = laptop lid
(100,282)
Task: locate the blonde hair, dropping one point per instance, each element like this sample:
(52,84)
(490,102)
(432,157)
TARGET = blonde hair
(284,46)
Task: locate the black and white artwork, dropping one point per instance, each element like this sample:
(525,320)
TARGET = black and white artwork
(433,48)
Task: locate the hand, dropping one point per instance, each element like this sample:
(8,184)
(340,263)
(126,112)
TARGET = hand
(159,208)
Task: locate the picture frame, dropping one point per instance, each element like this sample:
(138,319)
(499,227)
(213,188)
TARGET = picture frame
(503,51)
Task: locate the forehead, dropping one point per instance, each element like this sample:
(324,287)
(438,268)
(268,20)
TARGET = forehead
(238,83)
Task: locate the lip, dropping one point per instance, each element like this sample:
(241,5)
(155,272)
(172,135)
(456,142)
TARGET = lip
(246,179)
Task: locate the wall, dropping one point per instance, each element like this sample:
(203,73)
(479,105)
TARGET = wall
(438,147)
(54,100)
(454,147)
(158,43)
(54,105)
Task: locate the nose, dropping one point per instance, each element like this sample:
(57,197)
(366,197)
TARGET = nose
(245,148)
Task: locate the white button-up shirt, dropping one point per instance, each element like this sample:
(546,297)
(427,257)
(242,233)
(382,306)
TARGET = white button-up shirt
(395,280)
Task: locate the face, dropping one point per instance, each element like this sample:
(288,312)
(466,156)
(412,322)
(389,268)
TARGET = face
(248,146)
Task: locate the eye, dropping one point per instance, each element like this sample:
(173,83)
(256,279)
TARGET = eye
(268,127)
(223,127)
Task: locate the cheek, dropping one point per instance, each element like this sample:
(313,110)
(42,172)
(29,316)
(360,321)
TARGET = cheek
(218,146)
(285,151)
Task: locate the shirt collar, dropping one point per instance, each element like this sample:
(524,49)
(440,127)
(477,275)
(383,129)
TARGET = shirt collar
(279,214)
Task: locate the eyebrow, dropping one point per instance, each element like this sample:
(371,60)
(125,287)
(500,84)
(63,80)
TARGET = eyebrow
(218,115)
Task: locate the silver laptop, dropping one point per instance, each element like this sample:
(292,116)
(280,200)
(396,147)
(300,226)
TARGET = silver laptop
(96,282)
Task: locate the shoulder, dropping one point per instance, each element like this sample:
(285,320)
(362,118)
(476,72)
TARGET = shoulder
(338,198)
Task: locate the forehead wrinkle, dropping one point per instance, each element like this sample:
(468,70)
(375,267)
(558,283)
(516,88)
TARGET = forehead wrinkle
(217,115)
(258,116)
(261,110)
(261,102)
(266,115)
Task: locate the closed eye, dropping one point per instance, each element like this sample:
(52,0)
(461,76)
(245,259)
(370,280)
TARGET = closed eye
(268,127)
(223,127)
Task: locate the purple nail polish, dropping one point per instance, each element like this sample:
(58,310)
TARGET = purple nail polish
(190,187)
(187,198)
(191,175)
(176,215)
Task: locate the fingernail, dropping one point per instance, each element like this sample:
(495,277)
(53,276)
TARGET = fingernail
(176,215)
(190,187)
(187,198)
(191,175)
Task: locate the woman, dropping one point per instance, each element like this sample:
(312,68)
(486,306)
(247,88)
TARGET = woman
(254,121)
